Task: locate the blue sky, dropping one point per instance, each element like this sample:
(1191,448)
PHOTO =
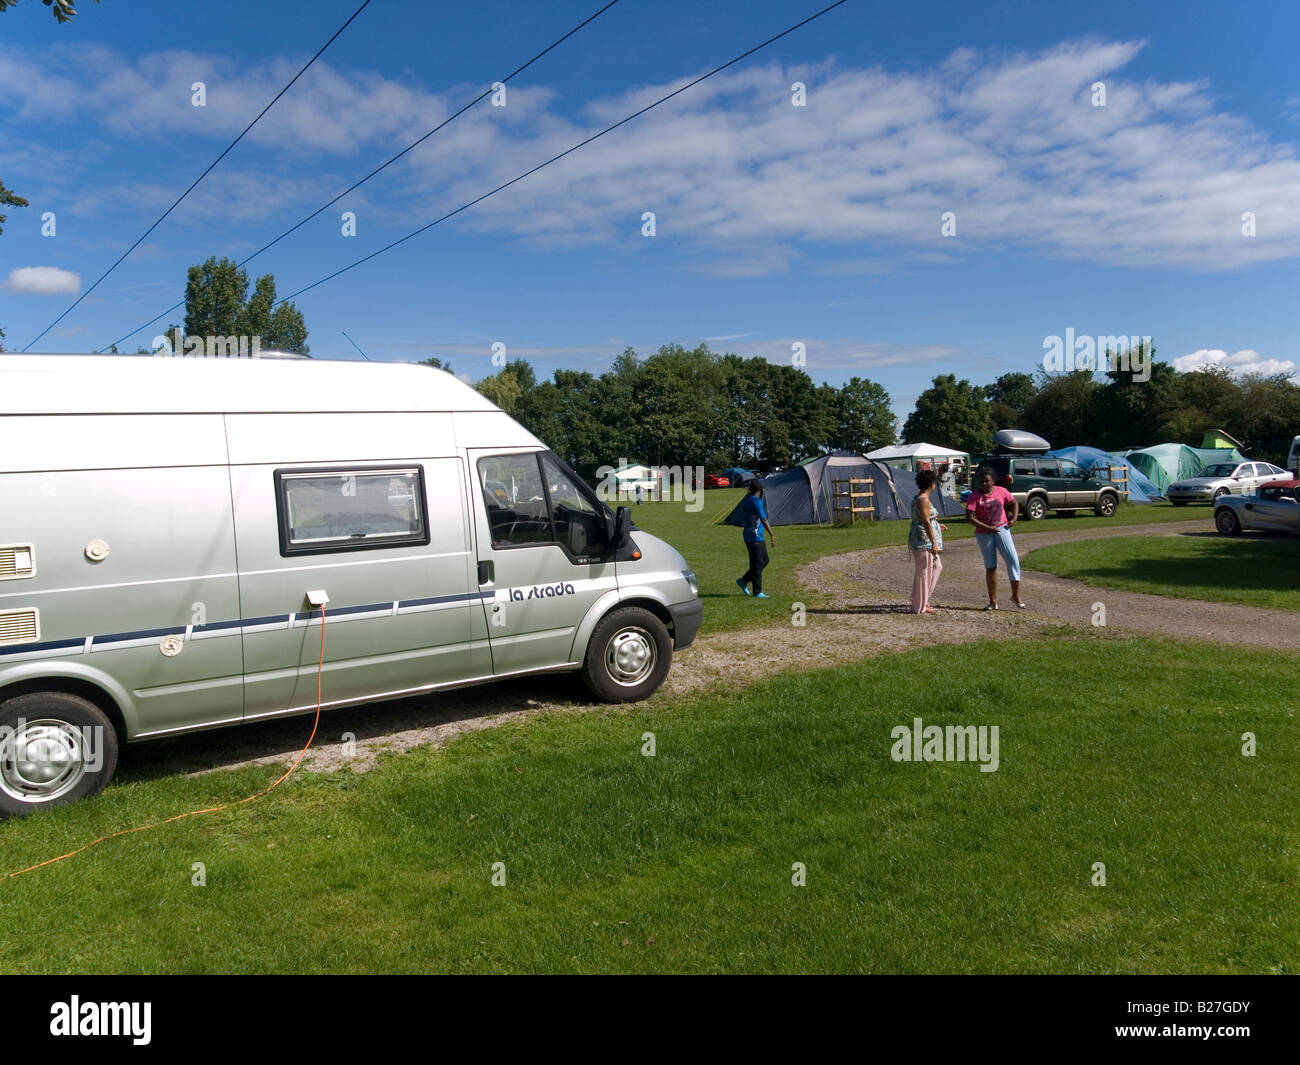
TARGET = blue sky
(775,224)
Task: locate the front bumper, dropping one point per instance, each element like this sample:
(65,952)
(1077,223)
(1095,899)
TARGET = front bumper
(687,618)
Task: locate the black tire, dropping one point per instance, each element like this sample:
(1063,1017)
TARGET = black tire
(1220,494)
(628,655)
(1107,504)
(1227,522)
(1035,508)
(60,737)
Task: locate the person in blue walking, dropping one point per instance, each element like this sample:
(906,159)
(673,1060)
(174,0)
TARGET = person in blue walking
(754,514)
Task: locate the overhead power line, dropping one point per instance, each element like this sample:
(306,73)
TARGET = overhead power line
(385,165)
(556,158)
(176,203)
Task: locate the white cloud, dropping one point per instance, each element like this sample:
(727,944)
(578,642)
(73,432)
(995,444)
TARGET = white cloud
(1246,361)
(42,281)
(1010,143)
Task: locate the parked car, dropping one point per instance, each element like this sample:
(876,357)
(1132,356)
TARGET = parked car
(1041,483)
(174,533)
(1276,507)
(716,480)
(1222,479)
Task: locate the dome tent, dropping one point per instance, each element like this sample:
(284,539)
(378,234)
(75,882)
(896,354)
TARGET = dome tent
(1166,463)
(802,495)
(1141,489)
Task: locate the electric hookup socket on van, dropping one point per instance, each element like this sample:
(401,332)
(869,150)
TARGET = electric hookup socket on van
(392,503)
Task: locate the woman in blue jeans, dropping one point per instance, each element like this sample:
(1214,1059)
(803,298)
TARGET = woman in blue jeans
(993,510)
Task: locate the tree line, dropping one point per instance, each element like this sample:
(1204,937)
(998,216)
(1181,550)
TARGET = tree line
(690,407)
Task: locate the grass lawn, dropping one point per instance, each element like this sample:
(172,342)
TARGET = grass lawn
(1240,569)
(682,862)
(717,554)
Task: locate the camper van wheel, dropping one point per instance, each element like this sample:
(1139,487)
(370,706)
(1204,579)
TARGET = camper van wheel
(54,748)
(628,655)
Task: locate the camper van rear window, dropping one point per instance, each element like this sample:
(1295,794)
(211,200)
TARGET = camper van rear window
(350,509)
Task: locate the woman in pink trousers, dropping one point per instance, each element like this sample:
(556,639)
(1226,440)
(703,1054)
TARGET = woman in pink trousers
(925,539)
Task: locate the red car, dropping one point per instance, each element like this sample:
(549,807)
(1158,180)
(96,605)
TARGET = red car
(716,480)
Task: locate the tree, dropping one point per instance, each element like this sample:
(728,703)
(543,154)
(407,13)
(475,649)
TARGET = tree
(1208,398)
(1064,410)
(63,10)
(217,304)
(503,389)
(436,363)
(1009,398)
(9,198)
(950,413)
(678,399)
(864,420)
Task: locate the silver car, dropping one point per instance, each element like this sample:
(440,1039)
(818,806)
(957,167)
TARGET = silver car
(1276,507)
(1224,479)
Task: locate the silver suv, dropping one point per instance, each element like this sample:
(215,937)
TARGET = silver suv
(1041,483)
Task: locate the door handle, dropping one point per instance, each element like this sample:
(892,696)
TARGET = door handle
(486,572)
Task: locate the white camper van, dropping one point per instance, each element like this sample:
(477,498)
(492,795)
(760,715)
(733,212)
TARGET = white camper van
(172,530)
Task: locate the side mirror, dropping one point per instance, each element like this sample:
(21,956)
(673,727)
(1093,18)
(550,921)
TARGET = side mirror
(621,533)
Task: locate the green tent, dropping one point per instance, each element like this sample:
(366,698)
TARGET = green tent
(1166,463)
(1217,438)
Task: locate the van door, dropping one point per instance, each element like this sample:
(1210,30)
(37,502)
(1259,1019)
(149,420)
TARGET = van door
(389,543)
(541,555)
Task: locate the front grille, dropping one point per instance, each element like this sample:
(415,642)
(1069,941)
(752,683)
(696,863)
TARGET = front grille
(19,626)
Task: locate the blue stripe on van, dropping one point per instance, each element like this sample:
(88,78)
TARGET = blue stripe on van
(433,599)
(270,619)
(344,610)
(143,634)
(219,626)
(47,645)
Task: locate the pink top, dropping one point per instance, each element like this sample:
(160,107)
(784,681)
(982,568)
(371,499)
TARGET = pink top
(990,509)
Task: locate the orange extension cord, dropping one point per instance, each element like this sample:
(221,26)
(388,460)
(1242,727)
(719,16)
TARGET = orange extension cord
(211,809)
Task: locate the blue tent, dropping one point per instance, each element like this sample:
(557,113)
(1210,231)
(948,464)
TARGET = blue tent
(803,495)
(1141,489)
(738,476)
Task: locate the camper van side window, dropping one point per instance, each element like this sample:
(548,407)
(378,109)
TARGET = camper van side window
(350,509)
(515,500)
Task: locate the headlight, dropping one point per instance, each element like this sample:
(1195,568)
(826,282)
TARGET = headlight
(693,582)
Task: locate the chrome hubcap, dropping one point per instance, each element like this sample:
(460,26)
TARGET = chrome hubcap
(42,760)
(630,656)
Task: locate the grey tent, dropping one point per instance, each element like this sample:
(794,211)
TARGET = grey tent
(802,495)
